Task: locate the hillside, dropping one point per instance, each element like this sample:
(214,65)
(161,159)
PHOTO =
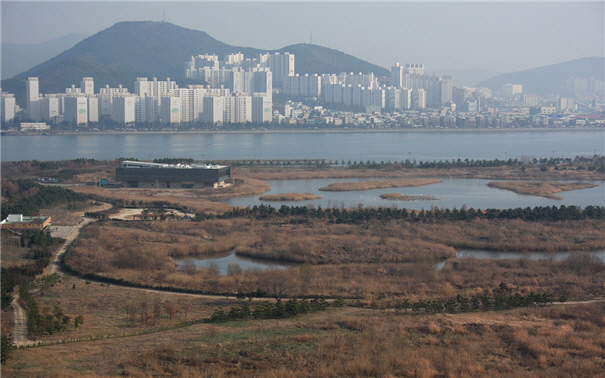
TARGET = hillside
(18,57)
(549,79)
(313,59)
(117,55)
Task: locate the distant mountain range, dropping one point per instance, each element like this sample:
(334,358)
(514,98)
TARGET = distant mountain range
(550,79)
(18,57)
(127,50)
(466,77)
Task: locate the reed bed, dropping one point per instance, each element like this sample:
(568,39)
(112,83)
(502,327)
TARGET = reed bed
(542,189)
(369,260)
(290,197)
(380,184)
(402,197)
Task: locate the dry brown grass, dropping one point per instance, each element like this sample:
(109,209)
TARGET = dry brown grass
(368,260)
(380,184)
(401,197)
(290,197)
(191,199)
(537,342)
(543,189)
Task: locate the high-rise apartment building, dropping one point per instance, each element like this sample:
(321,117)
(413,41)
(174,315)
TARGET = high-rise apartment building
(32,97)
(7,107)
(87,85)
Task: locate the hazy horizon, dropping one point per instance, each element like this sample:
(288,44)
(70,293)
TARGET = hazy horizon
(443,36)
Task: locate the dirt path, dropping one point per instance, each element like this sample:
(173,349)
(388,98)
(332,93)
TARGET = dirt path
(19,333)
(75,231)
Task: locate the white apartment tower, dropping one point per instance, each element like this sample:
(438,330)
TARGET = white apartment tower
(50,107)
(32,97)
(170,109)
(262,109)
(76,109)
(87,85)
(123,109)
(213,109)
(7,107)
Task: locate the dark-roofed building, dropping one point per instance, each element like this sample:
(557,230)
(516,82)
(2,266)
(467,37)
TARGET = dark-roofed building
(137,174)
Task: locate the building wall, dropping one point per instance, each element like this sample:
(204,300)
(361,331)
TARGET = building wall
(172,177)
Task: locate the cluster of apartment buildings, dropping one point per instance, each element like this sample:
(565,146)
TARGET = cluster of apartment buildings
(410,88)
(239,90)
(153,101)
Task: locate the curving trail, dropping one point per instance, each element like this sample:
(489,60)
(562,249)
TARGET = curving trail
(19,333)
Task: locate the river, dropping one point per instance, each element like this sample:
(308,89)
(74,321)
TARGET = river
(354,146)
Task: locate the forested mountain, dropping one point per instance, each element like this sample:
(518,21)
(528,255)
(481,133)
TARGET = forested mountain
(126,50)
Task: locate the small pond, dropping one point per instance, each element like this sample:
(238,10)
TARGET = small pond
(221,262)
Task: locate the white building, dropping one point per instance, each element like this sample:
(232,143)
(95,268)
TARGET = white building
(170,109)
(213,109)
(93,109)
(7,107)
(50,107)
(123,108)
(262,109)
(76,110)
(87,85)
(512,89)
(34,126)
(418,99)
(32,96)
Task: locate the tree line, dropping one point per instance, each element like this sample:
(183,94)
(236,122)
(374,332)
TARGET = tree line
(267,310)
(41,245)
(298,214)
(27,197)
(484,302)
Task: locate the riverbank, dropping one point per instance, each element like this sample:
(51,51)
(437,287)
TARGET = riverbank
(285,130)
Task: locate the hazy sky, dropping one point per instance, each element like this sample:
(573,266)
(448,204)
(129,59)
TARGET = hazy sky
(497,36)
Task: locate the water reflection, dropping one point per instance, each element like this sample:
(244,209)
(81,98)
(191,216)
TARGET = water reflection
(221,262)
(452,192)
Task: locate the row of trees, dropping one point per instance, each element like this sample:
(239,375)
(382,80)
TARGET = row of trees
(485,302)
(45,321)
(40,244)
(341,215)
(279,309)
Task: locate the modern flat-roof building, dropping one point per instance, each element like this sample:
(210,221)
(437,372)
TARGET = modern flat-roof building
(21,222)
(138,174)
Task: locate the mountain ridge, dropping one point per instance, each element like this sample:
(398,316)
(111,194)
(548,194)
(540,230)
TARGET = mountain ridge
(130,49)
(549,79)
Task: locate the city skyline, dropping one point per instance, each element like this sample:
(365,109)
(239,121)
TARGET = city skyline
(451,35)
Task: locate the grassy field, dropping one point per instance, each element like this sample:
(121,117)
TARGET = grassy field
(543,189)
(533,342)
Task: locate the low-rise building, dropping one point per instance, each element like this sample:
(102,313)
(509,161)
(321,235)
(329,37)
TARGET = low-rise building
(138,174)
(21,222)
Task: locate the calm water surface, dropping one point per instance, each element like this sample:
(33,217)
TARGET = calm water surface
(378,146)
(452,192)
(221,262)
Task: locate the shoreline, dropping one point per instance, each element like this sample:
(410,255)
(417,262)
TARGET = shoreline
(306,131)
